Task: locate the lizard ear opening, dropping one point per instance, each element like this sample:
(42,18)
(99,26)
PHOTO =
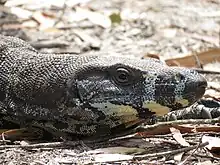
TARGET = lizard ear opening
(2,95)
(73,95)
(85,86)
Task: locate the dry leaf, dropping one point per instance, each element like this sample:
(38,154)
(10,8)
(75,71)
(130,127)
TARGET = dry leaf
(115,18)
(178,137)
(212,93)
(11,3)
(150,55)
(169,33)
(52,30)
(206,57)
(71,3)
(78,15)
(30,24)
(208,162)
(206,38)
(32,4)
(178,157)
(184,128)
(214,66)
(96,17)
(111,157)
(24,143)
(21,13)
(92,40)
(119,150)
(45,22)
(156,56)
(214,142)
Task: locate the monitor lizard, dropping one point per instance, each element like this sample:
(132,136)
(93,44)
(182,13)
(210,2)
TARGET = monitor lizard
(88,94)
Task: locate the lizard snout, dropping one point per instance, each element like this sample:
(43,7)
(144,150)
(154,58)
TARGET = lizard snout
(195,85)
(178,87)
(200,87)
(202,84)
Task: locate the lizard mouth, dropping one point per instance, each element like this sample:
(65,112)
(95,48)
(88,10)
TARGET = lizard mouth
(192,94)
(195,90)
(200,90)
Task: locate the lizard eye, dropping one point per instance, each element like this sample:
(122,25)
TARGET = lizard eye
(122,76)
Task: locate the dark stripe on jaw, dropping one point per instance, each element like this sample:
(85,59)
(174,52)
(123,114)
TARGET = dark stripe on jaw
(144,113)
(99,113)
(164,90)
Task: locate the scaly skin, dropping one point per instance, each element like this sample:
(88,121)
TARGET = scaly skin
(88,94)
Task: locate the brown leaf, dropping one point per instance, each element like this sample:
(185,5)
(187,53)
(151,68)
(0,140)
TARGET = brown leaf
(150,55)
(22,133)
(165,129)
(206,57)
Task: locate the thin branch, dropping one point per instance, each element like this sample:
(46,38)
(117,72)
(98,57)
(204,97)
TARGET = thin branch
(190,155)
(43,145)
(178,122)
(49,44)
(173,152)
(206,71)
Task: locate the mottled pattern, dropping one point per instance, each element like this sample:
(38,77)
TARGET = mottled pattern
(88,94)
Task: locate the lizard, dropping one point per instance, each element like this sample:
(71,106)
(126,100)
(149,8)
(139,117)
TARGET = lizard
(89,94)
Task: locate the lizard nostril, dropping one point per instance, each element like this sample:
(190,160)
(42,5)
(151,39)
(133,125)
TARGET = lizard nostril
(182,77)
(179,77)
(202,83)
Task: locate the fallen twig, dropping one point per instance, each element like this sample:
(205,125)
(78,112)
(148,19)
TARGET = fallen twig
(190,155)
(49,44)
(214,88)
(43,145)
(206,71)
(177,122)
(173,152)
(208,156)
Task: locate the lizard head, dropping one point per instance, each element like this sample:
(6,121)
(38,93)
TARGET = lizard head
(124,86)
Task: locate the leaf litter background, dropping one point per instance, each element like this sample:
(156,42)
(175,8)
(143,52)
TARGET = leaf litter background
(182,33)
